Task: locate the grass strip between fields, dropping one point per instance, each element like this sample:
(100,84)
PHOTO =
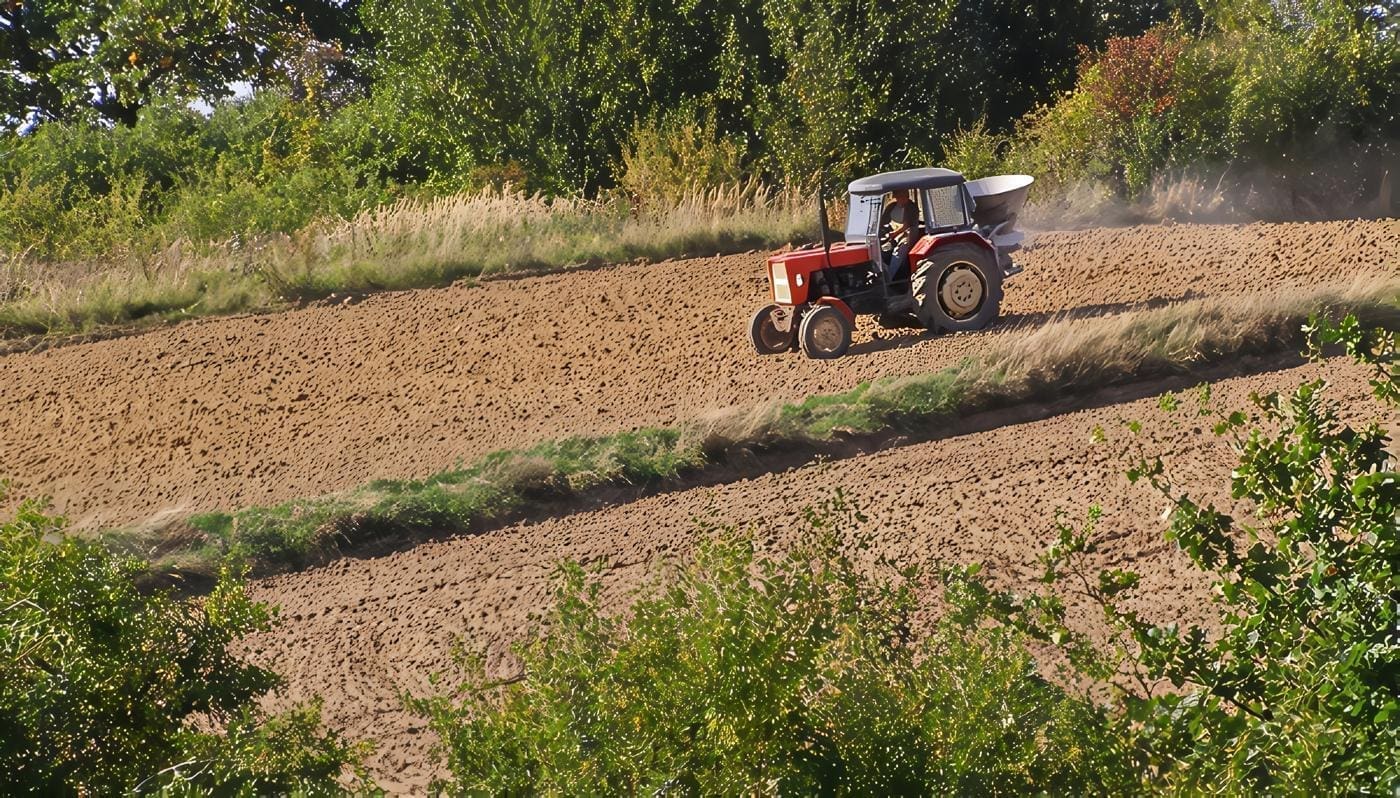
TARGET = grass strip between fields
(1059,359)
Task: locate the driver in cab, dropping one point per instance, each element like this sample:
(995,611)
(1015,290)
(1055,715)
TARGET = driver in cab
(904,222)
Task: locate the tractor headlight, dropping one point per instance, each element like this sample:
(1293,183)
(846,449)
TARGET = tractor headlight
(782,292)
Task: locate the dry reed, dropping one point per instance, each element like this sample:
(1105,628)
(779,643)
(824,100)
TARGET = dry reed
(412,243)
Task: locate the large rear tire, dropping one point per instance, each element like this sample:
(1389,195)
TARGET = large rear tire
(824,334)
(767,339)
(958,288)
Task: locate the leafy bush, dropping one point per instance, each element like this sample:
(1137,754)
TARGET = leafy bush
(1326,68)
(268,164)
(1135,74)
(1116,124)
(223,205)
(666,162)
(1061,144)
(106,688)
(79,189)
(745,673)
(974,151)
(1299,688)
(1266,88)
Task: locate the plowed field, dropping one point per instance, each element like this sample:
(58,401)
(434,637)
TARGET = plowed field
(225,413)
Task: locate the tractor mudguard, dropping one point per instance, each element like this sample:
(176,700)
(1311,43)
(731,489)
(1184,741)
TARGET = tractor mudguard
(839,305)
(927,244)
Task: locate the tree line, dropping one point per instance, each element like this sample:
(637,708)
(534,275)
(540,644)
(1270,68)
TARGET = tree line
(557,87)
(355,102)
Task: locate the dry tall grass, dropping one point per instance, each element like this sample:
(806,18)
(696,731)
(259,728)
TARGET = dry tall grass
(1076,352)
(410,244)
(1063,357)
(430,242)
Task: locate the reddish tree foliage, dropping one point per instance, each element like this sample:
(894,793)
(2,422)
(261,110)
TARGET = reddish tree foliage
(1134,73)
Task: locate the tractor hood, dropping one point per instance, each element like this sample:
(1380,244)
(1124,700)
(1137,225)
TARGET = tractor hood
(790,273)
(806,261)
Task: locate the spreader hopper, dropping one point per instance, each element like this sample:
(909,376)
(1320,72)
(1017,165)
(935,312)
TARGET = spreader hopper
(998,199)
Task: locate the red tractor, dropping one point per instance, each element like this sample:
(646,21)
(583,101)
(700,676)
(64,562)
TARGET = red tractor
(923,248)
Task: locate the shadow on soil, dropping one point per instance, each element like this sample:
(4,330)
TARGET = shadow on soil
(905,337)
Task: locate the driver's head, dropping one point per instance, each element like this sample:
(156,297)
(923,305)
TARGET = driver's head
(903,212)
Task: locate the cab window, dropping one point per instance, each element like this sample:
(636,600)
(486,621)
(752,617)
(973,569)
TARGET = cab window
(863,222)
(945,207)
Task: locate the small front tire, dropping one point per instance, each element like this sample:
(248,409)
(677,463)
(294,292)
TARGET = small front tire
(825,333)
(766,337)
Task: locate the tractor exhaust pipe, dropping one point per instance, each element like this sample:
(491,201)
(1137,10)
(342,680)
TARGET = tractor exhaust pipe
(826,225)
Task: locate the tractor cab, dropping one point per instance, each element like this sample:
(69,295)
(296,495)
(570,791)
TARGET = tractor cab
(921,247)
(936,198)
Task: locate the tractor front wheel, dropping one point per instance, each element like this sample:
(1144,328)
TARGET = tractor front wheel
(824,334)
(767,339)
(958,288)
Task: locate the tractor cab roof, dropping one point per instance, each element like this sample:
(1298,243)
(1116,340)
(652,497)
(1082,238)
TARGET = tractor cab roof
(906,179)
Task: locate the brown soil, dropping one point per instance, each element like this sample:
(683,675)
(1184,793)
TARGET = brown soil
(230,412)
(359,631)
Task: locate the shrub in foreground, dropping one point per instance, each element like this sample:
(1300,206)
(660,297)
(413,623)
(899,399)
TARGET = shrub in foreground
(107,689)
(744,673)
(1298,689)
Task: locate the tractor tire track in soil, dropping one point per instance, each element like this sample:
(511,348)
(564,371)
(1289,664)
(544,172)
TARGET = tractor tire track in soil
(226,413)
(360,630)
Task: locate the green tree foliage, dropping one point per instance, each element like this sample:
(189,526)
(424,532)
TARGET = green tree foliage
(791,674)
(553,85)
(67,56)
(72,189)
(106,688)
(1298,689)
(1022,54)
(1323,66)
(811,87)
(564,98)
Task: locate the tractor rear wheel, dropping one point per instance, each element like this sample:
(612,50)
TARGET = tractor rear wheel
(958,288)
(824,334)
(767,339)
